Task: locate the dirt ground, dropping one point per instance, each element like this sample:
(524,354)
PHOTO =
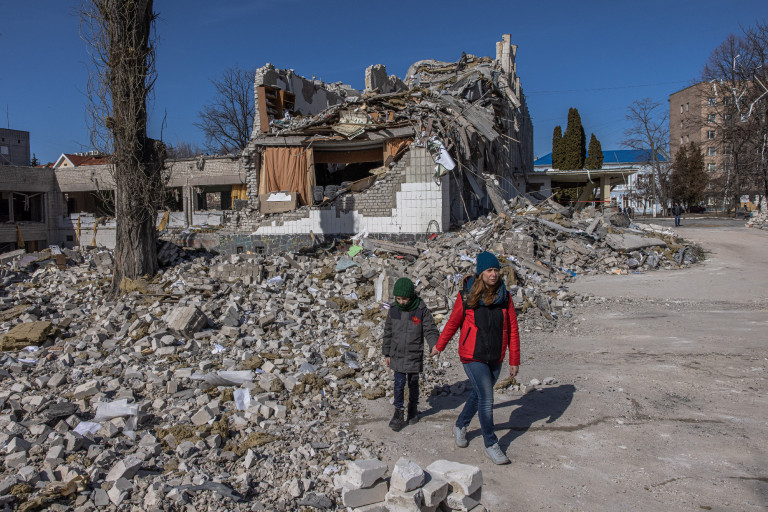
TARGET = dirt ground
(661,400)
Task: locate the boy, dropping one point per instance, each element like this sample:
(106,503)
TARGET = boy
(408,323)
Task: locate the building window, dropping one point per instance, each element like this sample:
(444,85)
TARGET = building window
(711,118)
(681,123)
(687,123)
(681,140)
(728,100)
(687,139)
(681,109)
(710,134)
(711,151)
(711,167)
(711,101)
(686,107)
(726,149)
(726,117)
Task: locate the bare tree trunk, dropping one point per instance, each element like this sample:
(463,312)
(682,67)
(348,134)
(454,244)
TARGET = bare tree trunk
(127,61)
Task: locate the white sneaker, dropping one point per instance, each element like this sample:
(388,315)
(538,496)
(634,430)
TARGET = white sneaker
(496,454)
(460,435)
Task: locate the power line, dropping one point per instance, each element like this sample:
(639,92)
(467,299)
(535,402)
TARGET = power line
(533,93)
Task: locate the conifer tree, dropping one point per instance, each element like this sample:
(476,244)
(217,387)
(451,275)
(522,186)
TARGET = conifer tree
(574,142)
(557,147)
(594,159)
(688,180)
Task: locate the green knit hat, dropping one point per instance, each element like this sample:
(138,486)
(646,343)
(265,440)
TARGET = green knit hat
(404,288)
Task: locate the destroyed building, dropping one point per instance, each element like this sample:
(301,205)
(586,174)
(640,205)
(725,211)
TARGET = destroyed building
(401,159)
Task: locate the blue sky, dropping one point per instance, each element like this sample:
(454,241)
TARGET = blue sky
(597,56)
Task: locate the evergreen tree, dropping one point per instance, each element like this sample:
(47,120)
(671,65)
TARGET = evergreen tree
(557,147)
(574,142)
(688,181)
(595,158)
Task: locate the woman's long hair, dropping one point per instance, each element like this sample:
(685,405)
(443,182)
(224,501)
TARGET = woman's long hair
(480,290)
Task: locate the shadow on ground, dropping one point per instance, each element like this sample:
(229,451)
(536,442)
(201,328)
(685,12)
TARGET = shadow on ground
(545,403)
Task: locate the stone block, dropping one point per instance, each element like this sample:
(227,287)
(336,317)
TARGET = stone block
(126,468)
(119,491)
(364,496)
(203,416)
(398,501)
(463,502)
(363,473)
(186,320)
(406,476)
(87,389)
(462,477)
(434,491)
(17,444)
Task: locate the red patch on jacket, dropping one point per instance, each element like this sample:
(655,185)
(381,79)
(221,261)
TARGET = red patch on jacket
(416,320)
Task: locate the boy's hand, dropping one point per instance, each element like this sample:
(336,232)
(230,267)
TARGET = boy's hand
(434,352)
(386,359)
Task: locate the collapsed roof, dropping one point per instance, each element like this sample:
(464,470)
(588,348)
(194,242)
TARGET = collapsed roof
(471,114)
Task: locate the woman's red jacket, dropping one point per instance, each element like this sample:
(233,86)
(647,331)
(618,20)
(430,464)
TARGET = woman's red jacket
(466,320)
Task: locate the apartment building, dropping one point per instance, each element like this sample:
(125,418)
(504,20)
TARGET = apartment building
(696,114)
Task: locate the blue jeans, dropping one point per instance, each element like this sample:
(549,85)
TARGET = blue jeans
(412,379)
(677,220)
(482,376)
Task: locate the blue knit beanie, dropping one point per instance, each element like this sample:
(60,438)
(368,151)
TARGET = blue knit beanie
(486,260)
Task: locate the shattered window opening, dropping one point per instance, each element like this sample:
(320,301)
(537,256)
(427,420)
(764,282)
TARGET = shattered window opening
(28,207)
(5,207)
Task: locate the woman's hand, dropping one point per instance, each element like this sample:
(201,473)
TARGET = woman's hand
(434,352)
(386,359)
(513,370)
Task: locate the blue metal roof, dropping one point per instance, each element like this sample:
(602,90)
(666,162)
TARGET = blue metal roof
(618,156)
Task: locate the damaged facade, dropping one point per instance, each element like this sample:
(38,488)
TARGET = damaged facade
(402,158)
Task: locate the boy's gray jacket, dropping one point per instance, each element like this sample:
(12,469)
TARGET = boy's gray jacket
(404,334)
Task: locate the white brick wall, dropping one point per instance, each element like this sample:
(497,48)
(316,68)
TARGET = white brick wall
(417,204)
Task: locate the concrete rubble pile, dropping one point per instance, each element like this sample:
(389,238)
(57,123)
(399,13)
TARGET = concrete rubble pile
(230,382)
(759,219)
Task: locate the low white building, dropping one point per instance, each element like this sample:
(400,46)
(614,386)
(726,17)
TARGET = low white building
(631,166)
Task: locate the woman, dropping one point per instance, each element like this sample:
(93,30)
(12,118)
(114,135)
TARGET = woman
(486,315)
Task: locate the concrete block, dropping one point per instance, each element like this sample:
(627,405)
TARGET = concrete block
(434,491)
(406,476)
(404,501)
(462,477)
(365,496)
(87,389)
(186,320)
(119,491)
(464,502)
(203,416)
(363,473)
(126,468)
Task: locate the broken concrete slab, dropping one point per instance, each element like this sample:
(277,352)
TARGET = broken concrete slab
(24,334)
(627,242)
